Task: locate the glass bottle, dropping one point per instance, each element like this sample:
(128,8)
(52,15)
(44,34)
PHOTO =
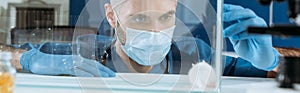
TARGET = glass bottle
(7,73)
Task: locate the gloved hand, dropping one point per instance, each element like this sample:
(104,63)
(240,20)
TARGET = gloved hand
(38,62)
(256,49)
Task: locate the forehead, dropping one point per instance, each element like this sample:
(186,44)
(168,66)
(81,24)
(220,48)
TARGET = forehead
(147,5)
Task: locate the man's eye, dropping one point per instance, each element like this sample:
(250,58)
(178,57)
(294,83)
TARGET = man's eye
(165,17)
(140,18)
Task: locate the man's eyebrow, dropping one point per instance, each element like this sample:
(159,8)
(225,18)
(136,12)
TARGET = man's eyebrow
(171,12)
(135,14)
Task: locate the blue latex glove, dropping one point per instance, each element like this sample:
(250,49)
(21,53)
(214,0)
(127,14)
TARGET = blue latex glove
(38,62)
(256,49)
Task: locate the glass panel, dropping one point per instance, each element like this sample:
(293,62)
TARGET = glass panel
(139,43)
(156,37)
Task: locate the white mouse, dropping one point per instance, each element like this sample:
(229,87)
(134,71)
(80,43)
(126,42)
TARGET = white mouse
(203,77)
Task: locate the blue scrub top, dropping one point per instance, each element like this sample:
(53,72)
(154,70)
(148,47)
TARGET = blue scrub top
(233,66)
(181,50)
(183,47)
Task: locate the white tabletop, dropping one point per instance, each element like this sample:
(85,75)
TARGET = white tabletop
(28,83)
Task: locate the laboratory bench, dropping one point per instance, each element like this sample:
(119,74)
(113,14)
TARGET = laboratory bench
(131,83)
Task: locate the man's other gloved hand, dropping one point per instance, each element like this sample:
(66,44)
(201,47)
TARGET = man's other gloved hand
(256,49)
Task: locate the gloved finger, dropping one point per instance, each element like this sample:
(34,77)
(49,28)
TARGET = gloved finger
(103,74)
(101,71)
(89,67)
(96,69)
(25,59)
(242,36)
(246,35)
(238,28)
(238,15)
(229,7)
(106,70)
(81,73)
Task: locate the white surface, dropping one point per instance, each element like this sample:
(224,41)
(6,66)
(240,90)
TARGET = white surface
(28,83)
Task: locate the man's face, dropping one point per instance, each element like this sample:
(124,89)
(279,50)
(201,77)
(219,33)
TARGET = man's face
(149,15)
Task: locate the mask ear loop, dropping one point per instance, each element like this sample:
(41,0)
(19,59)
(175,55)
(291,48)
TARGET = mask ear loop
(116,29)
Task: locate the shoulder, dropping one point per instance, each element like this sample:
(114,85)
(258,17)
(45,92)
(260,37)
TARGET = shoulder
(190,46)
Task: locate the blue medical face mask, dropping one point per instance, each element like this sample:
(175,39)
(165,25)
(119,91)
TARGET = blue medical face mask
(148,48)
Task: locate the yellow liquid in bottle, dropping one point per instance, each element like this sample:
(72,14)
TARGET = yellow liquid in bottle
(6,83)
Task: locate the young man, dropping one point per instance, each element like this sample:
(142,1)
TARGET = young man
(145,43)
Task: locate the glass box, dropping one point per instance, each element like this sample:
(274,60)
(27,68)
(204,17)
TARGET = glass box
(147,41)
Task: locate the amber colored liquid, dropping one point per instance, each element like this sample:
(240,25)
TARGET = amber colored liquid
(6,83)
